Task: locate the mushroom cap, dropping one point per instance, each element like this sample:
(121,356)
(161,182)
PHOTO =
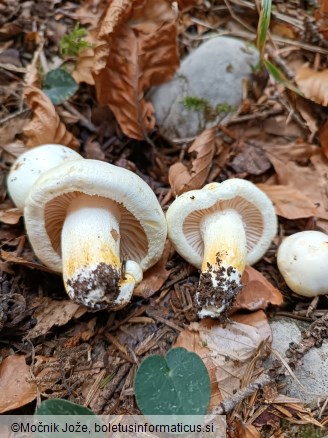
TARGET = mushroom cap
(302,260)
(187,211)
(31,164)
(142,225)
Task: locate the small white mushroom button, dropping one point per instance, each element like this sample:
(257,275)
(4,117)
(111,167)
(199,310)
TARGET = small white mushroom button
(302,260)
(219,229)
(100,225)
(33,163)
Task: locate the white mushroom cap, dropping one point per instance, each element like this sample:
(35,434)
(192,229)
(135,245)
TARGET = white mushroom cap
(219,229)
(31,164)
(302,260)
(129,216)
(255,208)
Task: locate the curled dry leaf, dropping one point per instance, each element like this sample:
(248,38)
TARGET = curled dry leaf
(180,179)
(323,136)
(257,292)
(313,84)
(136,49)
(45,126)
(289,202)
(230,350)
(85,62)
(313,180)
(184,5)
(84,66)
(28,262)
(247,430)
(10,215)
(155,277)
(16,387)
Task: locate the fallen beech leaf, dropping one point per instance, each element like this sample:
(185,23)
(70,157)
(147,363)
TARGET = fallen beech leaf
(289,202)
(228,349)
(11,258)
(252,160)
(84,66)
(313,84)
(257,292)
(45,126)
(10,215)
(247,431)
(85,62)
(296,151)
(184,5)
(15,388)
(180,179)
(50,313)
(323,136)
(155,277)
(313,180)
(93,150)
(136,49)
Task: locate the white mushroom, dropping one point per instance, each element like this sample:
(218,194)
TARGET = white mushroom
(100,225)
(31,164)
(219,229)
(302,260)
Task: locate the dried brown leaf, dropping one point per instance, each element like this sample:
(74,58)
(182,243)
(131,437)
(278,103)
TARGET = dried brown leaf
(136,49)
(184,5)
(313,180)
(257,292)
(16,389)
(84,66)
(229,350)
(85,62)
(313,84)
(10,215)
(28,262)
(247,431)
(155,277)
(45,126)
(289,202)
(180,179)
(323,136)
(50,313)
(252,160)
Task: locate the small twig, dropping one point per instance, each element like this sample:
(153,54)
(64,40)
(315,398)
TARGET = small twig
(228,404)
(83,120)
(260,116)
(235,17)
(12,67)
(311,337)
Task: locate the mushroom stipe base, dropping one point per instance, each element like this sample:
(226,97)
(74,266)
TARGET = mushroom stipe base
(217,299)
(104,277)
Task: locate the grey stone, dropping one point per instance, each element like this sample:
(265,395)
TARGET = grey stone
(313,374)
(213,72)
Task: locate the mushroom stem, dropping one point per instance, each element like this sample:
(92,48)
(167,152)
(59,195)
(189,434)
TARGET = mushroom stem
(224,261)
(90,244)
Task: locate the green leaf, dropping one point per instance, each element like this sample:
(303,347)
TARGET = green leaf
(66,416)
(263,25)
(59,86)
(58,406)
(279,77)
(176,385)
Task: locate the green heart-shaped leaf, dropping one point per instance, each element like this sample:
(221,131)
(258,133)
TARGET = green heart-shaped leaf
(176,385)
(59,85)
(58,406)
